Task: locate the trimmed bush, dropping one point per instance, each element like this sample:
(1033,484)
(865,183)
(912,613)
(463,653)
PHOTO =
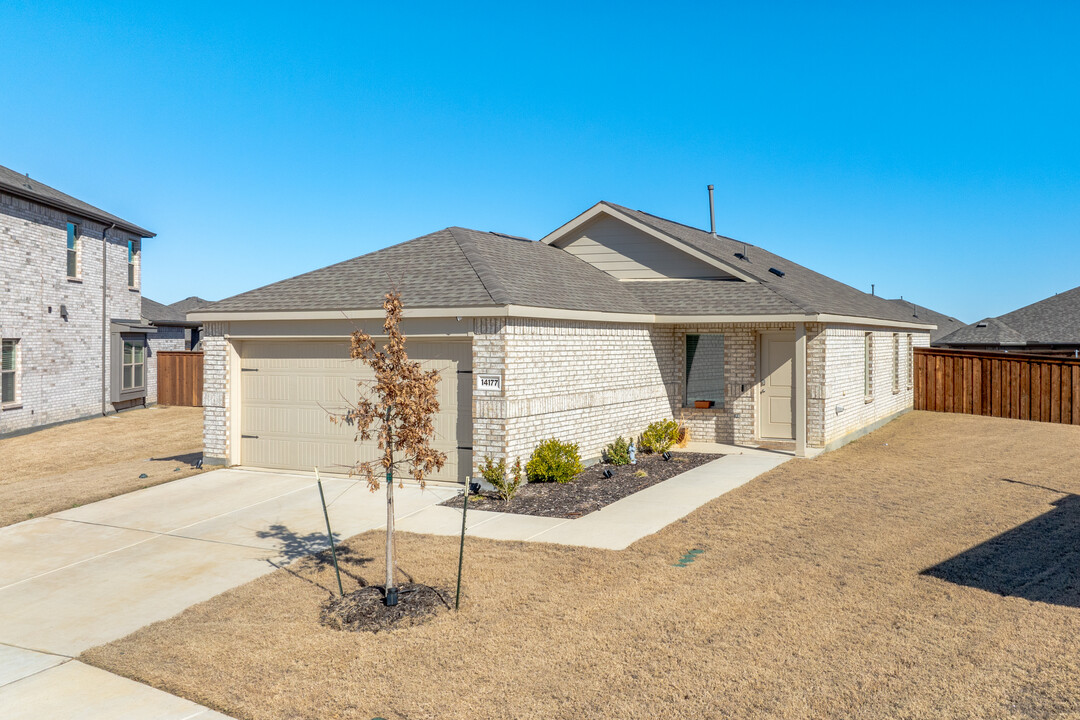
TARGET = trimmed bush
(618,452)
(554,461)
(660,436)
(495,474)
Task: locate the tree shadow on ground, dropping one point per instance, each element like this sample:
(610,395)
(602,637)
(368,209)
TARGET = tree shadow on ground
(188,458)
(1038,560)
(316,548)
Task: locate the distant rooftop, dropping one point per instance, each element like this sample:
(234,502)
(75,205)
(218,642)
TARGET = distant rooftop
(920,313)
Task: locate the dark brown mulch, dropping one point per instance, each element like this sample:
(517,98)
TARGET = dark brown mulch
(589,490)
(364,609)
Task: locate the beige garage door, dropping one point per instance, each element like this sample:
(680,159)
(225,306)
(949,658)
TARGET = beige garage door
(289,390)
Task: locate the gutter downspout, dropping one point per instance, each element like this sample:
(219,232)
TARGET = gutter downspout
(104,314)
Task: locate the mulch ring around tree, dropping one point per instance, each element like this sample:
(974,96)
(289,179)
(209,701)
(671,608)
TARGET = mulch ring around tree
(365,610)
(589,490)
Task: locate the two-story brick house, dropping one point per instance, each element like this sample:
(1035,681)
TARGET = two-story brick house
(72,341)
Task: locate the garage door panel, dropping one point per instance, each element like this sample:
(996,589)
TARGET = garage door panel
(290,389)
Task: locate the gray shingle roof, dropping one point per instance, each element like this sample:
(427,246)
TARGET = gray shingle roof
(25,187)
(804,288)
(159,314)
(188,304)
(920,313)
(711,297)
(458,267)
(1053,321)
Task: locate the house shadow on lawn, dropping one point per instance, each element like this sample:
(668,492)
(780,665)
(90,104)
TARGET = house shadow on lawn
(1038,561)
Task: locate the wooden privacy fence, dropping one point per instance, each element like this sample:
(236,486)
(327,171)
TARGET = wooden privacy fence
(179,378)
(1024,387)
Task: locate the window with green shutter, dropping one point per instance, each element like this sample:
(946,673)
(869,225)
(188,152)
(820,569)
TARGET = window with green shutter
(131,263)
(72,250)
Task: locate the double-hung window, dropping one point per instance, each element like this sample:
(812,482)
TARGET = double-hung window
(910,362)
(9,368)
(868,366)
(134,365)
(704,370)
(73,243)
(895,363)
(133,250)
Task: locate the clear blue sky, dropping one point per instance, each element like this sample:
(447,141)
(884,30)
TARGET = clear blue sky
(931,149)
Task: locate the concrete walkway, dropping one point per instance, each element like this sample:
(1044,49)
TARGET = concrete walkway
(90,575)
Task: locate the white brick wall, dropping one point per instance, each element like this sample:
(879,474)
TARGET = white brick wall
(60,361)
(845,406)
(579,382)
(589,383)
(215,393)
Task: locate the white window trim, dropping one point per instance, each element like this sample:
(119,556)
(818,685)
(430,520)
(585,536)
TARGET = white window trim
(910,362)
(868,367)
(133,264)
(132,365)
(16,402)
(896,363)
(77,277)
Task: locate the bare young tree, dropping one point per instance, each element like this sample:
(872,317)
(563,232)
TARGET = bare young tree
(398,410)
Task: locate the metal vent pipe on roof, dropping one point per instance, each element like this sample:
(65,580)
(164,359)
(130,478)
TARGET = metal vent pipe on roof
(712,213)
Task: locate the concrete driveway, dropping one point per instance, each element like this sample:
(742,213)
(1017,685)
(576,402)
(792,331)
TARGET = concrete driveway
(90,575)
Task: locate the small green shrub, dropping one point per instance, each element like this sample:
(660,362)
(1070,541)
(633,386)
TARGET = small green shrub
(660,436)
(618,452)
(641,474)
(554,461)
(495,474)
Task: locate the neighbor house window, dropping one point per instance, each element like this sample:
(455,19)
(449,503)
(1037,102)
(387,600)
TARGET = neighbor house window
(73,243)
(896,362)
(910,361)
(704,370)
(868,365)
(133,250)
(9,369)
(134,365)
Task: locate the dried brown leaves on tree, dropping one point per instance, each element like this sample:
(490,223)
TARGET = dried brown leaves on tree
(398,408)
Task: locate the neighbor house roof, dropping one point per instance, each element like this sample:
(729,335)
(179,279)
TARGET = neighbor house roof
(24,187)
(945,323)
(188,304)
(158,314)
(462,268)
(1053,321)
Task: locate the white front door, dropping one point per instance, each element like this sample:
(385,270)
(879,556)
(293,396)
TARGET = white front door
(776,403)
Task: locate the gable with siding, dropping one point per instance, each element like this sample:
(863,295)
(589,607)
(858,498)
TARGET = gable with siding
(628,253)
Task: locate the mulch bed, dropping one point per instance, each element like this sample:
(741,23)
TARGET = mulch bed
(364,609)
(589,490)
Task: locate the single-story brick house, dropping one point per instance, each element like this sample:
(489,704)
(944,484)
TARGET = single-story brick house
(615,319)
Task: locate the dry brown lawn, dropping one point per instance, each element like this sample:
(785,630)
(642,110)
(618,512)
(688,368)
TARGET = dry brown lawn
(79,463)
(810,601)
